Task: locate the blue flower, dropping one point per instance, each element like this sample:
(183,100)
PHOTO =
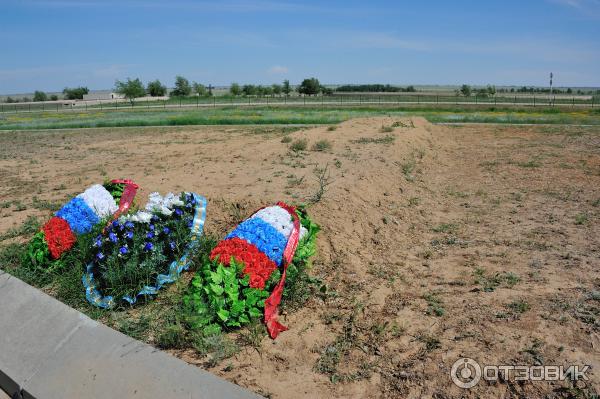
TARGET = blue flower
(151,227)
(172,245)
(190,223)
(150,235)
(129,225)
(129,234)
(148,246)
(266,238)
(154,218)
(123,250)
(178,212)
(112,237)
(79,215)
(100,255)
(166,230)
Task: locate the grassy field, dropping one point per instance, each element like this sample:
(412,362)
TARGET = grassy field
(289,115)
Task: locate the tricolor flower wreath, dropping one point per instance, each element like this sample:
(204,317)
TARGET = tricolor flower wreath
(78,216)
(138,253)
(244,276)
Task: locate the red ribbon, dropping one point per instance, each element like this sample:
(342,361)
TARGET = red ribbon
(127,197)
(272,302)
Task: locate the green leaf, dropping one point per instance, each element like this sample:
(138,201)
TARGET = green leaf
(223,314)
(216,278)
(217,289)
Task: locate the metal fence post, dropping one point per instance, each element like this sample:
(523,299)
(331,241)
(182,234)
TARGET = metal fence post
(534,100)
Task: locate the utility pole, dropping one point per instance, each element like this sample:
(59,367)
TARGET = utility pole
(551,76)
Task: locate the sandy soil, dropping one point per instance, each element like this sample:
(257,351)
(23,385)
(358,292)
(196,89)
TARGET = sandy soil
(443,242)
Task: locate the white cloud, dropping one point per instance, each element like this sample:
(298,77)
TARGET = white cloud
(588,8)
(278,70)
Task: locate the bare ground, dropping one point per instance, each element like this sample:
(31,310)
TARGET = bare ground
(437,243)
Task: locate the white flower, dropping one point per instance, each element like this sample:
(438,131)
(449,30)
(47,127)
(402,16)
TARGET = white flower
(139,216)
(164,205)
(99,200)
(277,217)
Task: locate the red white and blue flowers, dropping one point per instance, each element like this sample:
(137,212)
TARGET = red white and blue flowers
(76,217)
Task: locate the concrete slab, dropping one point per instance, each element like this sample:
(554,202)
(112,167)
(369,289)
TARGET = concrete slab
(49,350)
(32,327)
(105,363)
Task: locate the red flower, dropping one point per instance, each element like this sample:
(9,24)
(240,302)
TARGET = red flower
(256,264)
(59,236)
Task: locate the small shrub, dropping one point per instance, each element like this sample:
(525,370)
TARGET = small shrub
(581,218)
(286,139)
(322,145)
(332,128)
(386,129)
(435,306)
(299,145)
(519,306)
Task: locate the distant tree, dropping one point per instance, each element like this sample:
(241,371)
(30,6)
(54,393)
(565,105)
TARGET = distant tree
(309,86)
(200,89)
(39,96)
(26,99)
(182,87)
(54,97)
(249,90)
(10,100)
(260,90)
(156,89)
(465,90)
(276,89)
(75,93)
(326,90)
(235,89)
(130,89)
(569,91)
(286,88)
(491,90)
(482,92)
(410,89)
(267,90)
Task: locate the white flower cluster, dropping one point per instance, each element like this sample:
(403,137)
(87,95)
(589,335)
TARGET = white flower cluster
(139,216)
(99,200)
(280,219)
(156,203)
(164,205)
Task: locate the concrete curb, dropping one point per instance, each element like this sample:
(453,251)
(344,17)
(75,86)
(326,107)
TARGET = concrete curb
(51,351)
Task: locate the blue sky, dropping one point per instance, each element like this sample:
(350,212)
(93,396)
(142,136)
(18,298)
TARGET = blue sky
(50,44)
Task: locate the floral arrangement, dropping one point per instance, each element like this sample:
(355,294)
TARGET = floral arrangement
(140,252)
(78,216)
(243,278)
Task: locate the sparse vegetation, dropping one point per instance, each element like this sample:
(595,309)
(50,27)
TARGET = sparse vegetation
(299,145)
(322,145)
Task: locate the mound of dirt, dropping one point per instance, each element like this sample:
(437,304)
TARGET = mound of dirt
(437,242)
